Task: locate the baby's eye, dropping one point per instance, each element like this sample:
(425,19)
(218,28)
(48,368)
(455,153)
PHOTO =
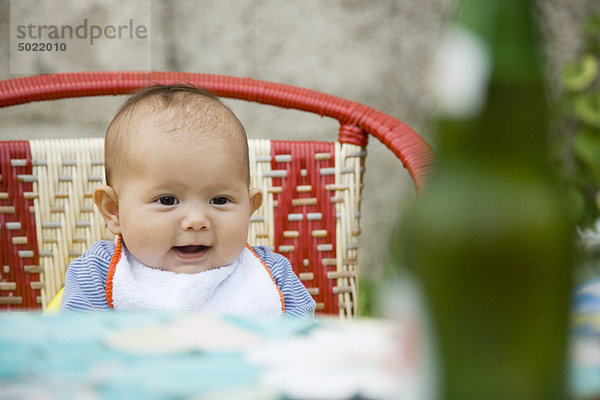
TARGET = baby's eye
(219,201)
(167,200)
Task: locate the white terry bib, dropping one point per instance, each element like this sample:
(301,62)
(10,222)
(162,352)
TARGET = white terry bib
(244,287)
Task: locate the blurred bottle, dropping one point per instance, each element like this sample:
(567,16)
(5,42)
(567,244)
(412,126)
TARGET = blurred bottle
(491,237)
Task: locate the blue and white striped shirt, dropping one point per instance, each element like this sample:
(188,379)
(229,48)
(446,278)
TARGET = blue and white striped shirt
(85,281)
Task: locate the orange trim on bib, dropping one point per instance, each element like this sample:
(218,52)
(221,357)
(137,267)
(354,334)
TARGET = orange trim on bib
(111,272)
(271,276)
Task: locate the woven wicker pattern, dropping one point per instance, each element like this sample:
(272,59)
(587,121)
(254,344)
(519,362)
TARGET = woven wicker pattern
(67,222)
(305,222)
(261,231)
(305,215)
(19,270)
(349,169)
(311,214)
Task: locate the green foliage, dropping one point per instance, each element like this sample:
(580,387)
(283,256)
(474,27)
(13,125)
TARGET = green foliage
(579,76)
(367,296)
(579,113)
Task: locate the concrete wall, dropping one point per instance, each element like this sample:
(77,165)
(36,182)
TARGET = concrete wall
(375,52)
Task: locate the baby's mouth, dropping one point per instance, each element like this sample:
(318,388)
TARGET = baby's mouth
(190,250)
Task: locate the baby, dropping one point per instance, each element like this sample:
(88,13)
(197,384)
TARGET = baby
(178,198)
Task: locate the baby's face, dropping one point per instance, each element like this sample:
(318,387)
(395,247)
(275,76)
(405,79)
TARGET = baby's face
(185,204)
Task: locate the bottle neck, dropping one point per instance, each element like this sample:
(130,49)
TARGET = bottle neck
(513,126)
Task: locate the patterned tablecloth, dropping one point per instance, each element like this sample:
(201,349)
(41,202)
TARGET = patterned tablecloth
(157,356)
(197,356)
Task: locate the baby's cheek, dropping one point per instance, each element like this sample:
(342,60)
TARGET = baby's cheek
(144,247)
(237,244)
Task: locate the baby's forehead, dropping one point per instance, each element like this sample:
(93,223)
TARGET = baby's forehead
(150,126)
(196,113)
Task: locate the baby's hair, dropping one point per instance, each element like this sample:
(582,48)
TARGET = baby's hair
(166,93)
(196,107)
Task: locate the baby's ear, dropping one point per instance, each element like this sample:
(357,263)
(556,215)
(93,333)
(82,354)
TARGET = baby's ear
(256,199)
(107,202)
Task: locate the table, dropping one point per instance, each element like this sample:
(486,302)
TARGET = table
(156,356)
(189,355)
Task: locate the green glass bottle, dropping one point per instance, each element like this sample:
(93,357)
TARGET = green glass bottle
(491,237)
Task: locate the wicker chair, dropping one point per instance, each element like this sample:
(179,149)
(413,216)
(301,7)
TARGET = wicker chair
(312,189)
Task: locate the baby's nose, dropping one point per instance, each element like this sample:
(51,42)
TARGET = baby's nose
(195,220)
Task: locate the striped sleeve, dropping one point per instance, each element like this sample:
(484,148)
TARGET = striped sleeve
(85,279)
(298,302)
